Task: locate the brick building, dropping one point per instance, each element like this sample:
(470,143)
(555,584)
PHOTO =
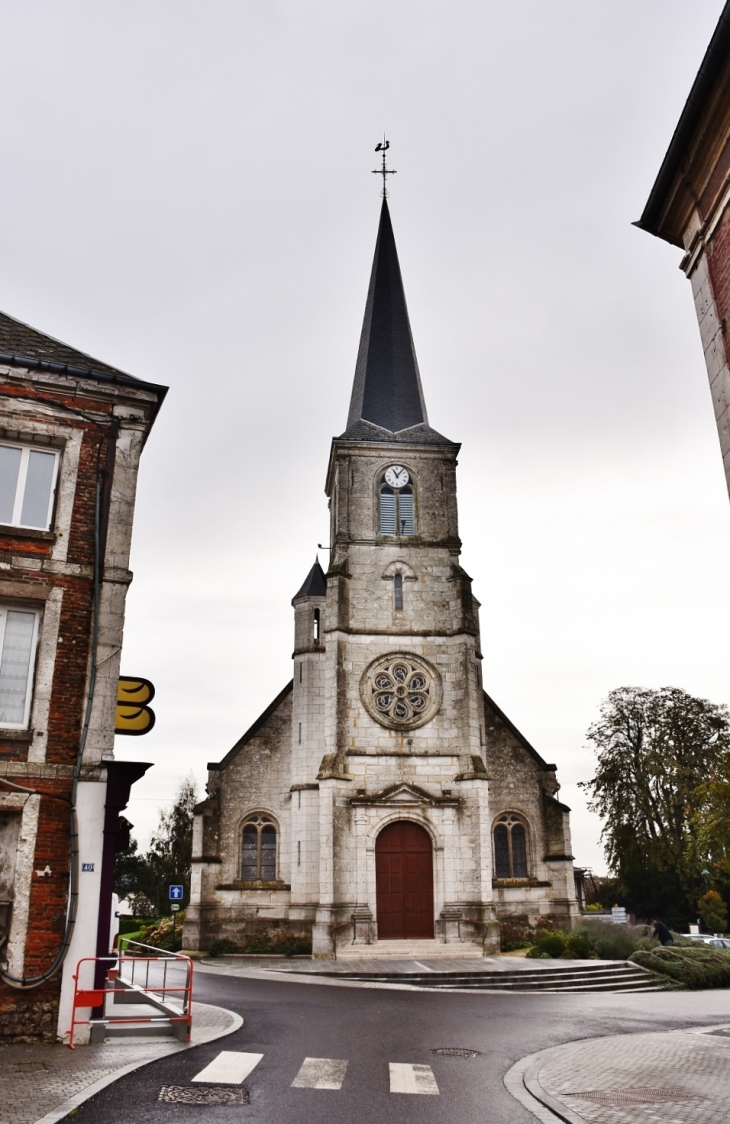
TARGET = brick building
(688,207)
(383,795)
(71,433)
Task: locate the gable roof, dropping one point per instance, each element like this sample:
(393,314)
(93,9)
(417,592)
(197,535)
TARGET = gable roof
(214,766)
(711,67)
(23,346)
(489,702)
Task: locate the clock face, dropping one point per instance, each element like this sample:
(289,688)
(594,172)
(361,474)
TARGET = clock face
(397,476)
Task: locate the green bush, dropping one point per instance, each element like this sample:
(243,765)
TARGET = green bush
(129,925)
(696,968)
(160,935)
(608,941)
(579,947)
(222,947)
(551,945)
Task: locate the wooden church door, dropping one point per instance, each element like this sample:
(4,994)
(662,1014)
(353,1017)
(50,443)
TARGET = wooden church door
(404,882)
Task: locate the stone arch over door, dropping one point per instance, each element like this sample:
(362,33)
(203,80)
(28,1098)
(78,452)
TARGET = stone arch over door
(404,882)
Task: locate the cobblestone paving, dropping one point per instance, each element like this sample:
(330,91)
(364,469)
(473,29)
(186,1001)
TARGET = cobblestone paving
(35,1080)
(694,1065)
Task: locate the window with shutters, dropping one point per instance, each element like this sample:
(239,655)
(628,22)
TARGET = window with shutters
(258,851)
(18,639)
(510,848)
(27,486)
(397,511)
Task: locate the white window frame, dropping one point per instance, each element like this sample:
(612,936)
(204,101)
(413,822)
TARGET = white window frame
(4,609)
(26,450)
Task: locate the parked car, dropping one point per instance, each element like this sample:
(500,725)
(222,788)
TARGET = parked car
(708,938)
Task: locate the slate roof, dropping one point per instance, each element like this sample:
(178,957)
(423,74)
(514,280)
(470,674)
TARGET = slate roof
(387,396)
(315,584)
(23,346)
(703,89)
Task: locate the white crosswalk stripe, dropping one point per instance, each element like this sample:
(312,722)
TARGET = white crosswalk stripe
(412,1079)
(320,1073)
(229,1068)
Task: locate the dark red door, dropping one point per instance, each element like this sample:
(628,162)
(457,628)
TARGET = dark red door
(404,882)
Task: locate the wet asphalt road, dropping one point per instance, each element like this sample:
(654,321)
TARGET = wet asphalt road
(369,1028)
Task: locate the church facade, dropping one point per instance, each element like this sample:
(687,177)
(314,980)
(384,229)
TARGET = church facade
(383,796)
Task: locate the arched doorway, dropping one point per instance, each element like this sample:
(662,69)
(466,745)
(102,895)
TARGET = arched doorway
(404,882)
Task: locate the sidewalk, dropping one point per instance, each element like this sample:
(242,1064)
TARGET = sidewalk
(660,1078)
(42,1084)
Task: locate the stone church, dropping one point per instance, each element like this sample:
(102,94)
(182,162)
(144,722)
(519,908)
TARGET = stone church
(383,797)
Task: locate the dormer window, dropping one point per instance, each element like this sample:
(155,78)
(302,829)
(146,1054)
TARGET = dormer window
(397,510)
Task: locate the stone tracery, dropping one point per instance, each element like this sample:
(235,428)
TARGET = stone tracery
(401,690)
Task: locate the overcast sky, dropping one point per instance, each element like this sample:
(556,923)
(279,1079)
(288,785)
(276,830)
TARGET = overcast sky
(186,194)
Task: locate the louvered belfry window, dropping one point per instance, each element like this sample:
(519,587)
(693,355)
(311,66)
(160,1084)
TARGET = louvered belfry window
(258,852)
(510,848)
(397,512)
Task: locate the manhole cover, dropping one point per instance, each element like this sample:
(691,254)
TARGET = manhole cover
(617,1097)
(455,1052)
(201,1094)
(27,1067)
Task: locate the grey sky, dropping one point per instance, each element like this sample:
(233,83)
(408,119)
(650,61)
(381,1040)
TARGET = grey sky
(186,194)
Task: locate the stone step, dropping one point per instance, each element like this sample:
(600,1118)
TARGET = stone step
(611,977)
(409,950)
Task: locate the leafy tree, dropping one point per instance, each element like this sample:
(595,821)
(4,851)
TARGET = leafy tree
(656,751)
(713,911)
(169,858)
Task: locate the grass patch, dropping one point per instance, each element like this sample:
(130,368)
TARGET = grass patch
(695,967)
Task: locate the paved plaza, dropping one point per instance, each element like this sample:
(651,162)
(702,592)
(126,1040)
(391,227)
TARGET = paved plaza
(659,1078)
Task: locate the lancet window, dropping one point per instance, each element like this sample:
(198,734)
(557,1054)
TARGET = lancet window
(258,853)
(510,848)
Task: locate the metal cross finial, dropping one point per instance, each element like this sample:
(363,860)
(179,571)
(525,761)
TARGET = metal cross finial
(383,147)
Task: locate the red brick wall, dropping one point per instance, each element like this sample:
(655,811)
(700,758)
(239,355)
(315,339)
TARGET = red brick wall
(31,1015)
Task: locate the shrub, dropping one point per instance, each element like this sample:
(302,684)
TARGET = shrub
(579,947)
(695,968)
(160,935)
(713,911)
(222,947)
(608,941)
(551,945)
(515,934)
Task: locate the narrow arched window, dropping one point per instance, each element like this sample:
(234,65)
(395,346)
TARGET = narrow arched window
(398,591)
(510,848)
(258,850)
(397,508)
(316,627)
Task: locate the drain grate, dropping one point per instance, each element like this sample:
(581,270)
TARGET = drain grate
(201,1095)
(615,1098)
(455,1052)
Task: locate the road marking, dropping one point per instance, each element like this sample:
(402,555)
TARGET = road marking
(412,1079)
(229,1068)
(320,1073)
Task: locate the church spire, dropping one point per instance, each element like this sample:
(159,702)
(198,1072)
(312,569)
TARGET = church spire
(387,390)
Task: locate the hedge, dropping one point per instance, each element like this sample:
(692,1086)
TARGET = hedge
(696,968)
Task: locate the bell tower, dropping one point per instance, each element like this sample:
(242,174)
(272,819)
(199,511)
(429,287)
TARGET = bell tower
(403,693)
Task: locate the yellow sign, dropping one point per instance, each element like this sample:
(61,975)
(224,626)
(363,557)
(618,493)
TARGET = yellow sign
(134,716)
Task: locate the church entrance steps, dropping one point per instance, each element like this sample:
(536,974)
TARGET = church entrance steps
(409,950)
(581,976)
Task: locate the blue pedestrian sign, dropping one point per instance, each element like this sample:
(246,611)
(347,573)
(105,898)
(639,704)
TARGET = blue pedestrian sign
(176,893)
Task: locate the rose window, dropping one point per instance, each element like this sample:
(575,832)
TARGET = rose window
(401,691)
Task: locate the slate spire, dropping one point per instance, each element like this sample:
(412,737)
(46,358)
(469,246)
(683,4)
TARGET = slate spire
(387,390)
(315,584)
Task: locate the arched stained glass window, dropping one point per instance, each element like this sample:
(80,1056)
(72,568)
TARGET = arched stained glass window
(510,848)
(258,849)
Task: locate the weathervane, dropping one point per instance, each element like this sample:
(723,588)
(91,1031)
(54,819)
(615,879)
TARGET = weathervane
(383,147)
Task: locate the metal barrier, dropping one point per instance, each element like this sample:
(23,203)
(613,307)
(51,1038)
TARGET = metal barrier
(163,981)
